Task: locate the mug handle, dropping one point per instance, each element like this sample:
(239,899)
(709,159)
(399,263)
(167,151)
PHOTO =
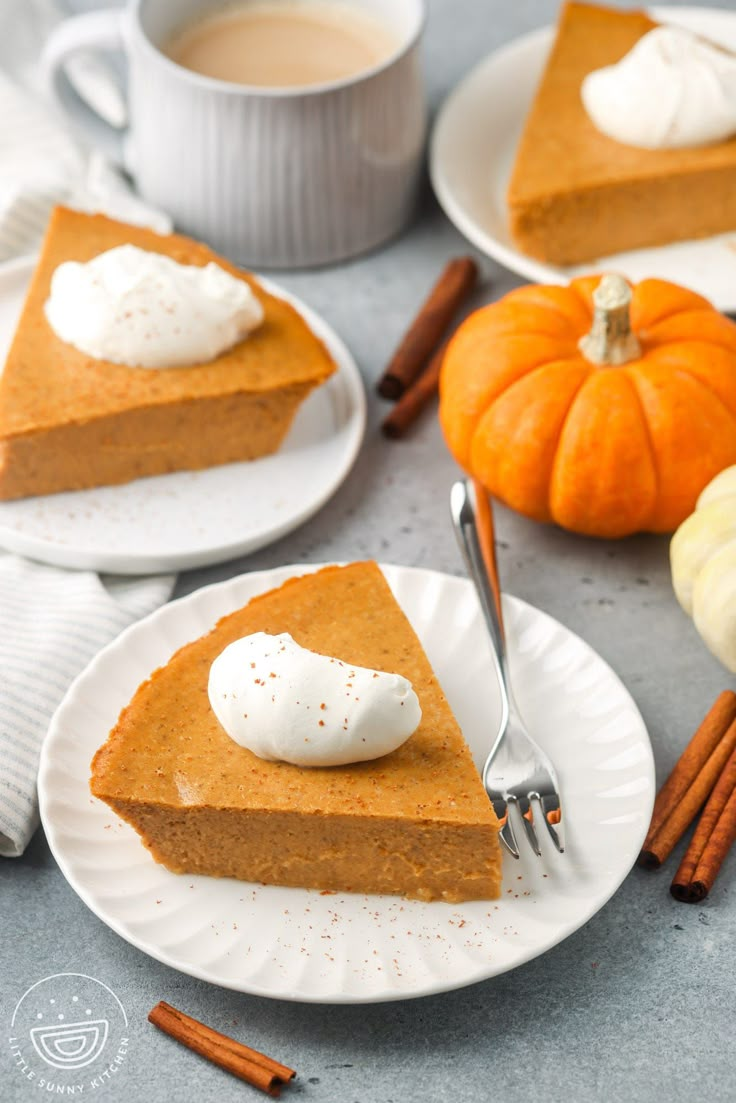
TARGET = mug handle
(101,30)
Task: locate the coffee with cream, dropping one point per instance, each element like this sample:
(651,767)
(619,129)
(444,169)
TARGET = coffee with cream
(283,43)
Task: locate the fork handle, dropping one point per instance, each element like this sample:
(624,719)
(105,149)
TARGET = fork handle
(473,523)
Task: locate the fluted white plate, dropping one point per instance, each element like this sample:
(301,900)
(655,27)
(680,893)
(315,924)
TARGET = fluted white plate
(193,518)
(473,148)
(297,944)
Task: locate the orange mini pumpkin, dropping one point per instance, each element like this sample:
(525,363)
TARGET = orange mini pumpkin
(599,406)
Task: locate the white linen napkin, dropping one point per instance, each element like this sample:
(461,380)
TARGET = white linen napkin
(52,621)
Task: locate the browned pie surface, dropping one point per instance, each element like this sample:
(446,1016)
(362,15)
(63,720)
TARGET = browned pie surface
(416,822)
(576,194)
(47,382)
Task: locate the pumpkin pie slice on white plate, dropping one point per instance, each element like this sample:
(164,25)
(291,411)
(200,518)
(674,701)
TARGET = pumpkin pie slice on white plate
(69,420)
(416,822)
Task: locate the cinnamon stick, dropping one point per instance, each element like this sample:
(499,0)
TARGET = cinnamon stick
(426,331)
(248,1064)
(408,408)
(711,841)
(722,840)
(668,807)
(677,823)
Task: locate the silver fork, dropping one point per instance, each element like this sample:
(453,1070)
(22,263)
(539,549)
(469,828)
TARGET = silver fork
(516,772)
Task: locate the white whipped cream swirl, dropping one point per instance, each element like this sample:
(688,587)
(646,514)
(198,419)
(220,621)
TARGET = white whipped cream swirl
(286,703)
(672,90)
(145,310)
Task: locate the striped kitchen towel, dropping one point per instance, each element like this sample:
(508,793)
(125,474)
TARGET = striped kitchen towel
(52,622)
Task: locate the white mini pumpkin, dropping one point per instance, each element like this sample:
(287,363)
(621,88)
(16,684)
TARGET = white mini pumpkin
(703,561)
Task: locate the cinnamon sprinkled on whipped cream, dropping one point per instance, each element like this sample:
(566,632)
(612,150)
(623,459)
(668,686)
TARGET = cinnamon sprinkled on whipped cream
(286,703)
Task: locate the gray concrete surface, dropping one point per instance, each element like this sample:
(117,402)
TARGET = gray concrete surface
(639,1005)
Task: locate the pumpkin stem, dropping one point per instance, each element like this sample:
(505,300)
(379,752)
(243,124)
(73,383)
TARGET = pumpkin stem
(611,339)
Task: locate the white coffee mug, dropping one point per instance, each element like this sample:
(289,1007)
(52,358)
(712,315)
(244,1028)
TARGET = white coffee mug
(272,177)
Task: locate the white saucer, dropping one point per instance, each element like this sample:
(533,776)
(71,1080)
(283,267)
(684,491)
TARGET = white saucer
(296,944)
(473,147)
(193,518)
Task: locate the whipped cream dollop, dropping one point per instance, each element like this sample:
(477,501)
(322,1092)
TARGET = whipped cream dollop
(286,703)
(672,89)
(145,310)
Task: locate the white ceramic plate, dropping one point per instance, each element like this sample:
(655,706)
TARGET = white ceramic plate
(193,518)
(473,147)
(300,945)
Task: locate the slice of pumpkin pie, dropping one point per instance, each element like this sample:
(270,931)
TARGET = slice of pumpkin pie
(132,378)
(415,822)
(575,194)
